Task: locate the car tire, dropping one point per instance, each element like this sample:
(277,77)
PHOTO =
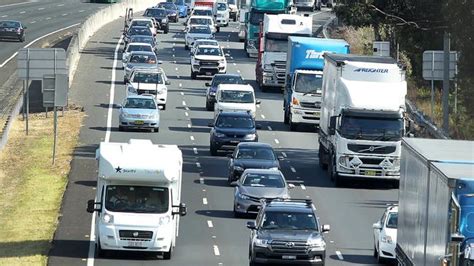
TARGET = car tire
(213,150)
(375,252)
(218,29)
(380,260)
(121,128)
(209,107)
(263,88)
(163,107)
(229,180)
(167,255)
(99,252)
(167,29)
(193,75)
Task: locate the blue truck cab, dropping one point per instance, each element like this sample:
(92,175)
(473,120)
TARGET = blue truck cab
(304,77)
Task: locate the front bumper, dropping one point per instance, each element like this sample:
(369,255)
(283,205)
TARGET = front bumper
(209,70)
(266,255)
(305,116)
(246,206)
(229,143)
(138,123)
(222,21)
(368,171)
(273,79)
(387,250)
(10,35)
(110,239)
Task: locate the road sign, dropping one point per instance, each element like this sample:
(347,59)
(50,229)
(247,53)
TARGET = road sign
(34,63)
(433,65)
(381,48)
(55,90)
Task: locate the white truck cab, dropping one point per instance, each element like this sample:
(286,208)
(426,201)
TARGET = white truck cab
(138,200)
(222,14)
(235,97)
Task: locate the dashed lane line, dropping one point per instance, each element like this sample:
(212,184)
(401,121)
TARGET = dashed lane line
(184,103)
(204,201)
(216,250)
(191,137)
(339,255)
(201,180)
(198,165)
(302,187)
(277,141)
(209,224)
(270,128)
(263,117)
(284,154)
(186,114)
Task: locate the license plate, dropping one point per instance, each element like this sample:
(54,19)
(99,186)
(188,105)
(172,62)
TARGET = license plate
(139,122)
(234,141)
(135,244)
(288,257)
(208,73)
(370,172)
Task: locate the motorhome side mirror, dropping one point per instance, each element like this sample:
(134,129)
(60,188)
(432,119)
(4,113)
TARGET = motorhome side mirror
(377,226)
(325,228)
(208,84)
(457,238)
(91,206)
(332,125)
(210,125)
(258,102)
(167,82)
(251,225)
(182,209)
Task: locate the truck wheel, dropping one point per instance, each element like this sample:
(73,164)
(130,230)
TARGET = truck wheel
(167,29)
(321,158)
(121,128)
(218,29)
(263,88)
(293,126)
(235,18)
(164,107)
(333,173)
(167,255)
(286,120)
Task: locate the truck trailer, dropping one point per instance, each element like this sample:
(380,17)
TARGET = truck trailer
(273,46)
(138,200)
(436,203)
(362,117)
(304,78)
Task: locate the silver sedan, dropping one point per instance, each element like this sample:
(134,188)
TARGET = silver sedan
(255,185)
(140,112)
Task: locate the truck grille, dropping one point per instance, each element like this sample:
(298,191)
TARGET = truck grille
(135,235)
(314,105)
(208,63)
(371,149)
(286,247)
(235,136)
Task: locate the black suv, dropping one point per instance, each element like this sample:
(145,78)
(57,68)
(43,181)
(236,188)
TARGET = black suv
(287,231)
(161,17)
(11,29)
(255,155)
(231,128)
(216,80)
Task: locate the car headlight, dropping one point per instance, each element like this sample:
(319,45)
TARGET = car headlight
(164,220)
(250,136)
(164,20)
(238,168)
(220,135)
(261,242)
(212,93)
(153,116)
(317,243)
(387,239)
(131,89)
(343,160)
(124,115)
(108,218)
(243,196)
(222,61)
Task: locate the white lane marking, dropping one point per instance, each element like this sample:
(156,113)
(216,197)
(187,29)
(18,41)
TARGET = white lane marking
(182,93)
(277,141)
(204,201)
(189,125)
(176,68)
(41,8)
(234,64)
(80,11)
(195,151)
(177,76)
(22,12)
(201,180)
(186,114)
(33,22)
(180,85)
(293,169)
(284,154)
(270,128)
(4,16)
(191,137)
(216,250)
(112,92)
(60,5)
(184,103)
(65,14)
(302,187)
(209,224)
(186,108)
(238,71)
(35,40)
(198,165)
(339,255)
(263,117)
(15,4)
(48,18)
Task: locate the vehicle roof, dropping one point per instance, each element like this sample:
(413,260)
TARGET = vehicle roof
(286,206)
(228,75)
(143,52)
(194,16)
(202,8)
(235,87)
(9,20)
(205,40)
(209,46)
(142,19)
(360,58)
(139,27)
(148,70)
(262,171)
(254,144)
(393,208)
(141,36)
(141,96)
(235,114)
(139,43)
(155,7)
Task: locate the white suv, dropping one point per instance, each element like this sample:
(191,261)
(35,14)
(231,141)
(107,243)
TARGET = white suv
(235,98)
(385,235)
(149,81)
(196,33)
(208,60)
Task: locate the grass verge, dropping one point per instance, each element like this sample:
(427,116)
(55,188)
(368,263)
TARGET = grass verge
(31,188)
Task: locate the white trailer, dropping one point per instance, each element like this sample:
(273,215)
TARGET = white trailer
(362,117)
(270,69)
(138,200)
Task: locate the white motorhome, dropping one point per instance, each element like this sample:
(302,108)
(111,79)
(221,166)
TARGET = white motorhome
(270,69)
(138,201)
(236,98)
(362,117)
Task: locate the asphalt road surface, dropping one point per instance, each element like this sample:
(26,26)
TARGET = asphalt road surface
(209,234)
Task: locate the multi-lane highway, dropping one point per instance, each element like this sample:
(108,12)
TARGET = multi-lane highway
(209,234)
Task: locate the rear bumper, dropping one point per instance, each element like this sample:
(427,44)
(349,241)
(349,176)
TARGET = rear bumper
(10,35)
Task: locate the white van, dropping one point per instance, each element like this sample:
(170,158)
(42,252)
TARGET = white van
(235,97)
(138,201)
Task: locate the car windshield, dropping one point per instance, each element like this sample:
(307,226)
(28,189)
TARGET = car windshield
(155,13)
(200,21)
(140,48)
(139,199)
(263,180)
(276,45)
(153,78)
(371,128)
(221,6)
(234,122)
(9,24)
(289,220)
(143,59)
(230,96)
(139,103)
(209,51)
(258,153)
(139,31)
(202,12)
(144,39)
(392,220)
(167,6)
(144,23)
(203,30)
(218,79)
(309,83)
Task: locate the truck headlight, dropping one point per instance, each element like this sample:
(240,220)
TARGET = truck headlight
(196,62)
(261,242)
(295,101)
(212,93)
(386,239)
(125,115)
(243,196)
(250,136)
(396,163)
(267,66)
(108,218)
(164,220)
(164,20)
(343,160)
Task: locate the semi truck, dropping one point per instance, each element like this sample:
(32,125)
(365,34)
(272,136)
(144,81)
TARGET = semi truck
(138,197)
(362,117)
(258,8)
(273,46)
(304,78)
(436,203)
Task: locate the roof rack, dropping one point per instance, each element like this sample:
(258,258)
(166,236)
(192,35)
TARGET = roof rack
(306,201)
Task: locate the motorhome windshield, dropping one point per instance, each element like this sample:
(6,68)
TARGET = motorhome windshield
(256,17)
(138,199)
(229,96)
(371,128)
(276,45)
(308,83)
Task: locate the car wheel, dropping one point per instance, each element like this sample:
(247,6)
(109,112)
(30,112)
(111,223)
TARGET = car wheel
(321,157)
(375,252)
(229,179)
(167,255)
(263,88)
(218,29)
(293,126)
(167,29)
(193,75)
(380,260)
(209,107)
(121,128)
(213,150)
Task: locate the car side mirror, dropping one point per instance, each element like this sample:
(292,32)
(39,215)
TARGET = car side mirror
(167,82)
(258,126)
(91,206)
(25,27)
(291,186)
(258,102)
(325,228)
(227,55)
(251,225)
(332,125)
(210,125)
(182,210)
(377,226)
(208,84)
(281,158)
